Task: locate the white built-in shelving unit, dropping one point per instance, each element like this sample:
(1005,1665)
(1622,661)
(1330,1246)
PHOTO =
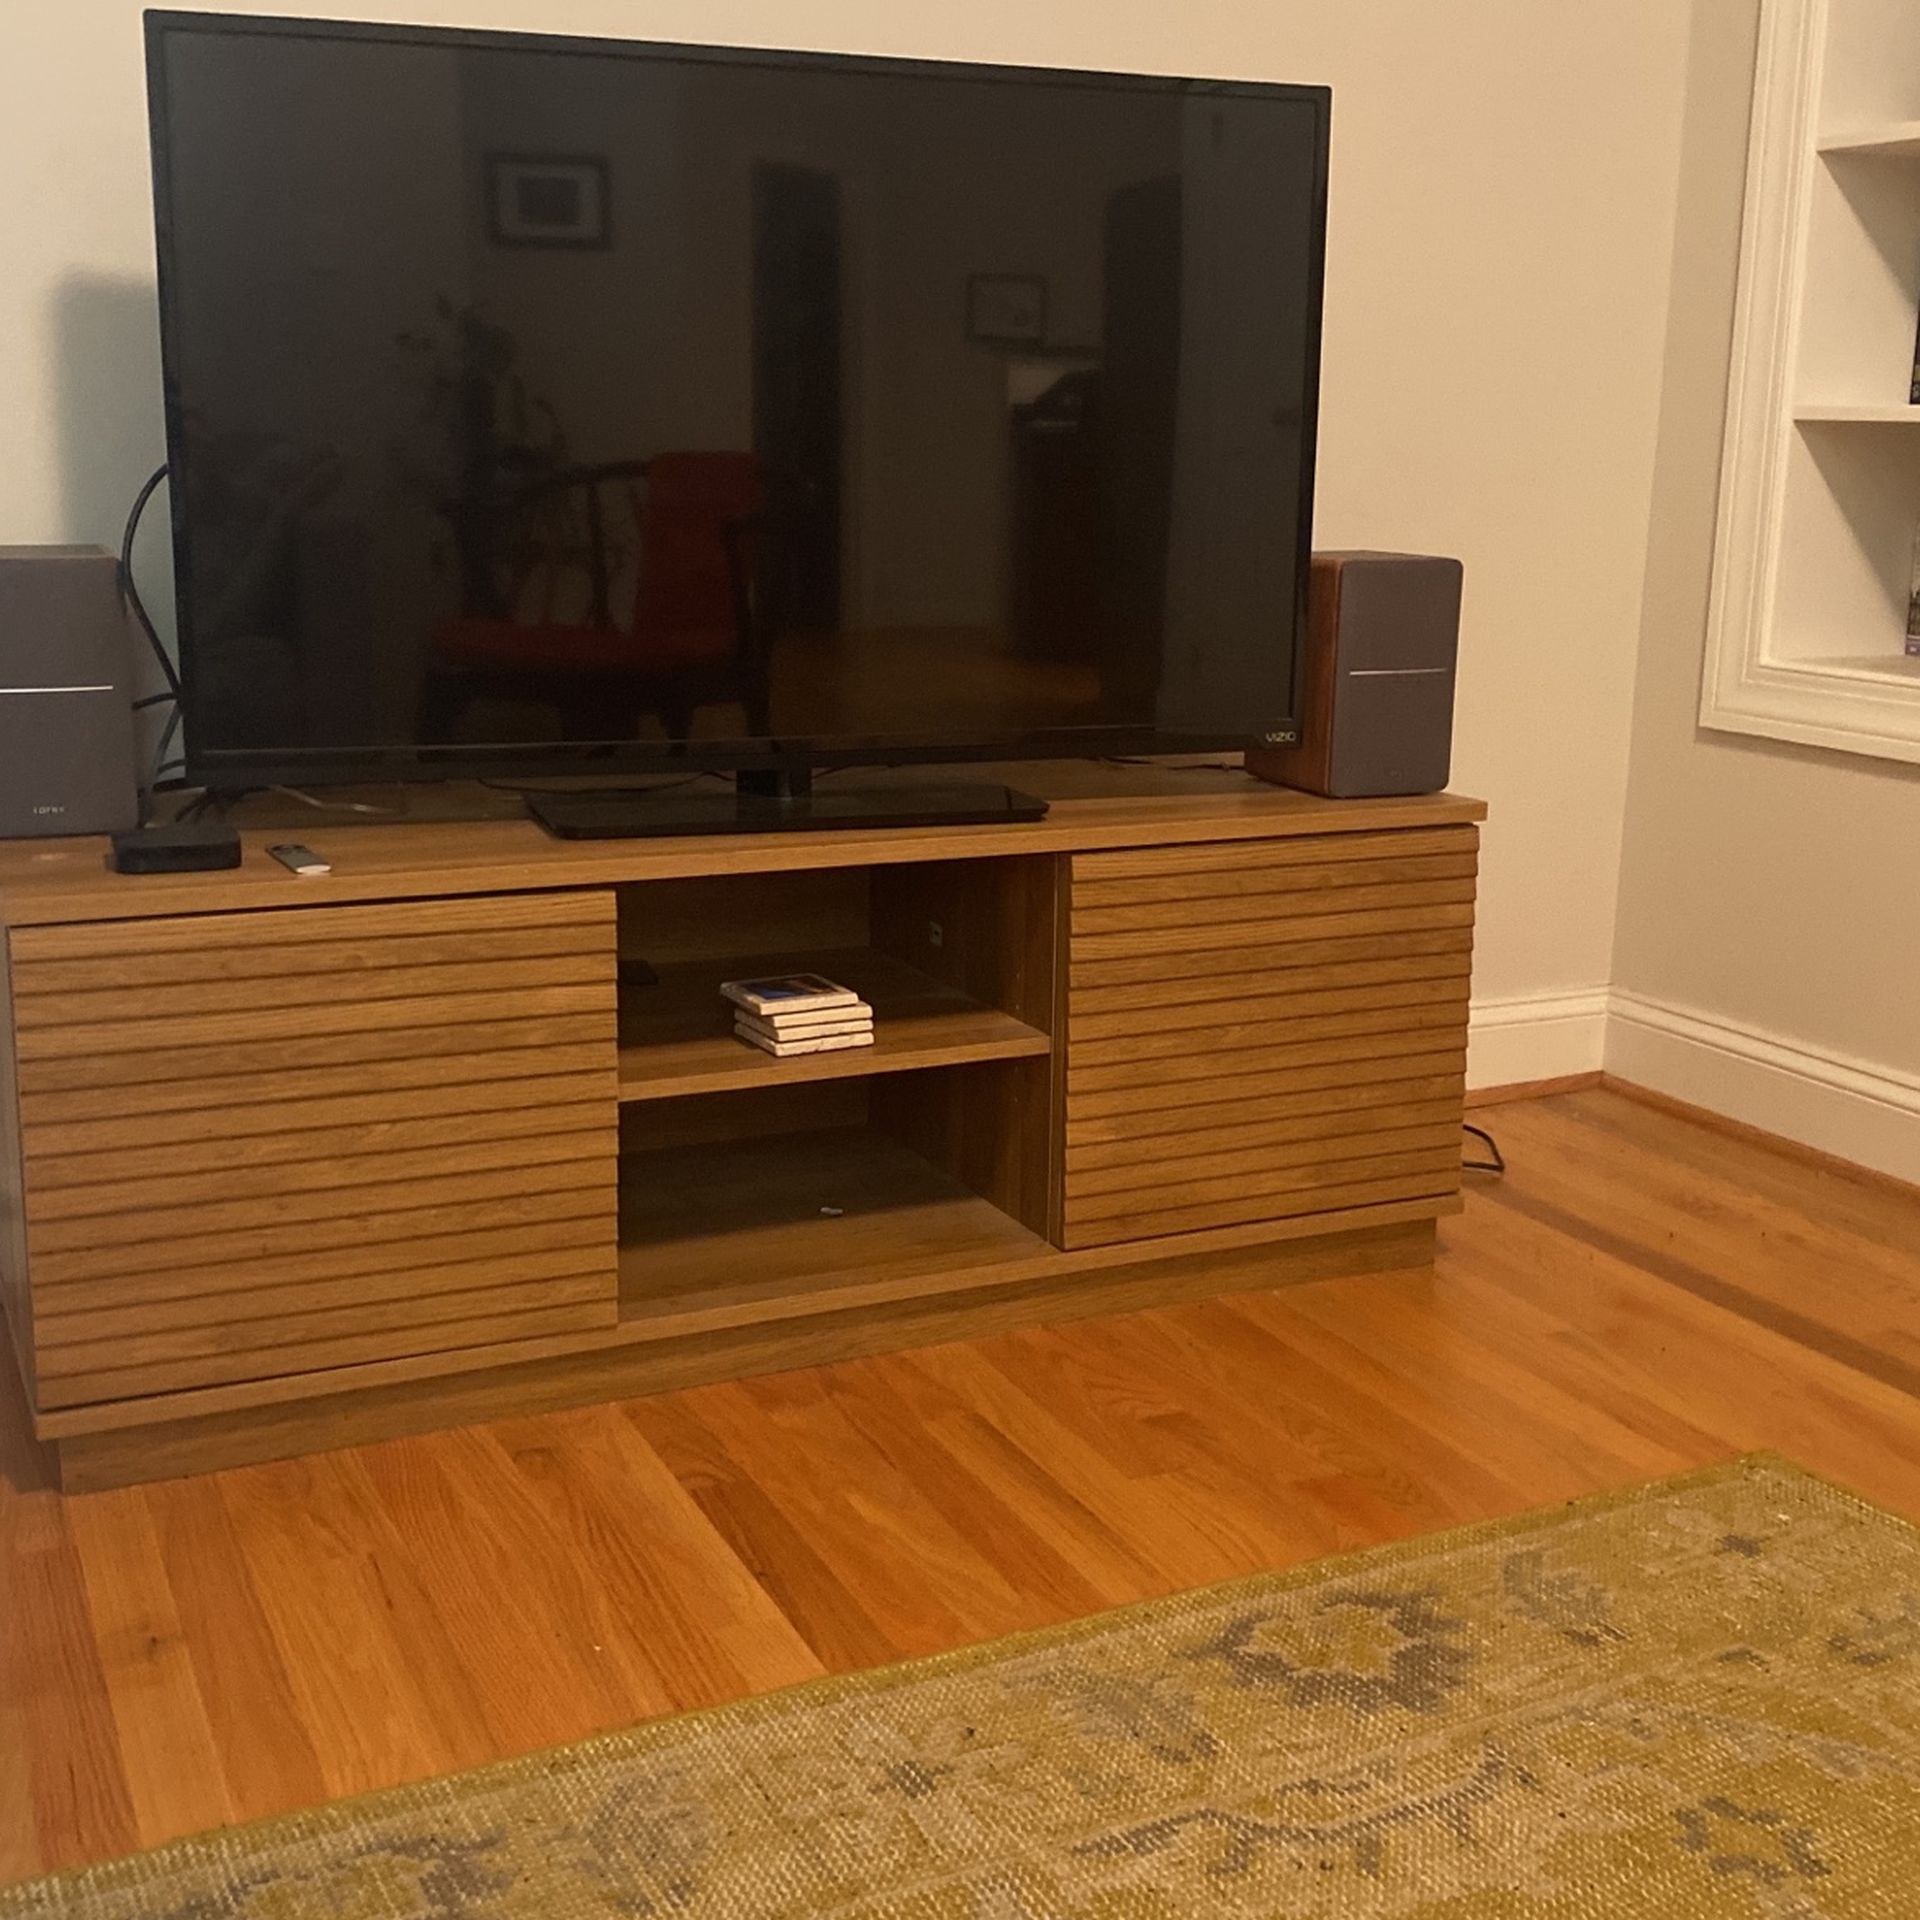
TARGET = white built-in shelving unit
(1820,480)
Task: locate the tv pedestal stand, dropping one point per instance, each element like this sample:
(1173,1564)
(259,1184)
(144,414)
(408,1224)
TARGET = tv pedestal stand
(462,1128)
(779,801)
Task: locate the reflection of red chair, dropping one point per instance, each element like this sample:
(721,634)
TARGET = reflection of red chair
(695,638)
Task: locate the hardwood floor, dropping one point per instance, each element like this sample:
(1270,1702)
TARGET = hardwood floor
(1641,1294)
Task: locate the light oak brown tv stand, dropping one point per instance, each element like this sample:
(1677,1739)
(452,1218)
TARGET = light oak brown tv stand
(290,1163)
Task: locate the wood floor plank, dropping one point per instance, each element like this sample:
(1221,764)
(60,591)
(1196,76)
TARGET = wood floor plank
(463,1511)
(571,1555)
(1675,1225)
(1817,1196)
(26,1501)
(1108,1404)
(1213,1424)
(1540,1344)
(1072,1469)
(176,1782)
(1361,1516)
(1040,1582)
(83,1808)
(1242,1474)
(1042,1496)
(1641,1293)
(1758,1387)
(1513,1401)
(267,1755)
(20,1857)
(1290,1394)
(918,1578)
(674,1594)
(336,1599)
(1789,1229)
(1861,1201)
(1439,1439)
(837,1631)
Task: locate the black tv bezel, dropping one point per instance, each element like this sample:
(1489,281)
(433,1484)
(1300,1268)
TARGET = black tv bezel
(237,767)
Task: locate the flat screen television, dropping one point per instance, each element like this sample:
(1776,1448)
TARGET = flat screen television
(555,406)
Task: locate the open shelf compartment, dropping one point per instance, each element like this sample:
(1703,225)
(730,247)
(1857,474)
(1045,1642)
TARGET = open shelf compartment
(854,1213)
(677,1038)
(955,957)
(754,1188)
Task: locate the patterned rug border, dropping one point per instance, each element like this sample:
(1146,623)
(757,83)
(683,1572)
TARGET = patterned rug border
(314,1823)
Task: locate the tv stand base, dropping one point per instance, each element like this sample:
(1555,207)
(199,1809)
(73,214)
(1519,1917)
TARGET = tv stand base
(464,1130)
(1116,1280)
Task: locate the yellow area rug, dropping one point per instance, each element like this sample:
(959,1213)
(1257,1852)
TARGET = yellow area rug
(1693,1700)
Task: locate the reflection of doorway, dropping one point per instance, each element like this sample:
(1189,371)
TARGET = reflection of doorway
(796,384)
(1139,410)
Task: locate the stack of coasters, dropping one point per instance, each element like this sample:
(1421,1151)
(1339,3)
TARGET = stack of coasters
(796,1013)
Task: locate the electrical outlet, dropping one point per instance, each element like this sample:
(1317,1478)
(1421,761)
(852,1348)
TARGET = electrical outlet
(936,934)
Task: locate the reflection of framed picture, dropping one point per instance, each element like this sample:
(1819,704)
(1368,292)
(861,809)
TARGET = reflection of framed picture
(1007,309)
(547,200)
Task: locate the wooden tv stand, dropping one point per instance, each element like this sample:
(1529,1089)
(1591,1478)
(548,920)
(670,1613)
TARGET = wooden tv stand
(288,1164)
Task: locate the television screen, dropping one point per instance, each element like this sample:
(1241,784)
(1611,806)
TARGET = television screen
(534,401)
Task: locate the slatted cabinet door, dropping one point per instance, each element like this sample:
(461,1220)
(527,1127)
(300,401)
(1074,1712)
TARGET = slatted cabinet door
(268,1143)
(1261,1030)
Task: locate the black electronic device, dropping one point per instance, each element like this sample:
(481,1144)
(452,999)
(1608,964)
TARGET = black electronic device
(194,846)
(543,407)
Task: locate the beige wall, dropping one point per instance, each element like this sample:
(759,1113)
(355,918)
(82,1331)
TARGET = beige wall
(1503,197)
(1773,890)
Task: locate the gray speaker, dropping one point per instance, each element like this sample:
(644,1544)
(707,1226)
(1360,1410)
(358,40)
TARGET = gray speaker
(1383,634)
(67,756)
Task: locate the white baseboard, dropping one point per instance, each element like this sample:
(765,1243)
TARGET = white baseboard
(1863,1113)
(1536,1036)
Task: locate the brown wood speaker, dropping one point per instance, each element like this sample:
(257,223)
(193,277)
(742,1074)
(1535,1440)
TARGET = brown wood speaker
(1376,706)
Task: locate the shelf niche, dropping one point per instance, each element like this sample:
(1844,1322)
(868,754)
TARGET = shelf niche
(857,1201)
(955,957)
(931,1149)
(1820,490)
